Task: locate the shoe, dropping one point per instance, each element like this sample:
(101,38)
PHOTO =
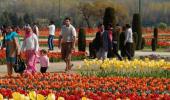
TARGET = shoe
(66,69)
(70,66)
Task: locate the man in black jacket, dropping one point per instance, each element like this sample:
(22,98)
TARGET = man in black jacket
(98,41)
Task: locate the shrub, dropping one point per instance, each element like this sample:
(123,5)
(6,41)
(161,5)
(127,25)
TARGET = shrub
(143,43)
(109,16)
(155,34)
(135,39)
(162,25)
(136,27)
(154,45)
(82,40)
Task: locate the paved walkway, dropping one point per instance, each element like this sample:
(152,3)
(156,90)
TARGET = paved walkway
(60,66)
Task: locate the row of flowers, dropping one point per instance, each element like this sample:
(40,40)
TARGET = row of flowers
(56,42)
(155,57)
(92,31)
(45,32)
(160,43)
(76,87)
(138,66)
(53,56)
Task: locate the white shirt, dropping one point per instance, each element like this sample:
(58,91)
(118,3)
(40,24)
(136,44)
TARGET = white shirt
(68,33)
(128,36)
(30,43)
(36,30)
(51,29)
(44,61)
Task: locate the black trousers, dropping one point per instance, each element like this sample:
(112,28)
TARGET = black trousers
(114,51)
(128,50)
(43,69)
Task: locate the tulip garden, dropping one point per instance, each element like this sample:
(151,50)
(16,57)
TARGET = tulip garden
(95,80)
(143,78)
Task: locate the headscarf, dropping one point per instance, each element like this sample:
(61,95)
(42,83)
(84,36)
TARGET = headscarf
(28,34)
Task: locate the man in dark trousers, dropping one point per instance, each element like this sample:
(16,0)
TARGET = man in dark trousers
(113,50)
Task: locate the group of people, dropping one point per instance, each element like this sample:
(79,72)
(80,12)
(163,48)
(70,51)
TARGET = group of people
(106,44)
(30,46)
(106,41)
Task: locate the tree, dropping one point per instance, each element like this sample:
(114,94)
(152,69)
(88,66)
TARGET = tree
(14,19)
(21,22)
(109,17)
(28,19)
(136,27)
(5,19)
(86,10)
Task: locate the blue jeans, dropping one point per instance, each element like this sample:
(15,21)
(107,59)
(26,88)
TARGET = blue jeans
(50,42)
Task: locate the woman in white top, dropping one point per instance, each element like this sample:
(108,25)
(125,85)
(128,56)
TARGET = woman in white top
(51,35)
(30,46)
(128,43)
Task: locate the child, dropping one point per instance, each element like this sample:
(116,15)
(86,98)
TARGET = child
(44,61)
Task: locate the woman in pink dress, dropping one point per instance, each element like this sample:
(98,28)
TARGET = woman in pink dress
(30,46)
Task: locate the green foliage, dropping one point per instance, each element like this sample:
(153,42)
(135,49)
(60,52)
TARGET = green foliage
(5,18)
(156,74)
(28,19)
(162,25)
(136,27)
(14,19)
(20,21)
(109,16)
(82,40)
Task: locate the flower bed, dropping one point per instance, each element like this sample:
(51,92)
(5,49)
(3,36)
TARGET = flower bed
(155,57)
(53,56)
(75,87)
(114,67)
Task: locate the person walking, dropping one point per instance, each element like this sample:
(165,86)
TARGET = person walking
(113,38)
(36,29)
(67,41)
(51,35)
(1,37)
(128,43)
(30,46)
(12,49)
(44,61)
(105,43)
(121,42)
(99,42)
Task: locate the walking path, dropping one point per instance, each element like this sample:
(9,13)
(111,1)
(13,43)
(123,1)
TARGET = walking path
(60,66)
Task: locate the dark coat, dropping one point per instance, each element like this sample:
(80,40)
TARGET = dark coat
(98,43)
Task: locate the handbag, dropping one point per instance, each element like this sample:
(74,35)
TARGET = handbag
(19,65)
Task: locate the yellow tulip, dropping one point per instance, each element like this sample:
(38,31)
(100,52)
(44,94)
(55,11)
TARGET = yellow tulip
(26,98)
(32,95)
(61,98)
(16,96)
(40,97)
(22,97)
(51,96)
(1,97)
(84,98)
